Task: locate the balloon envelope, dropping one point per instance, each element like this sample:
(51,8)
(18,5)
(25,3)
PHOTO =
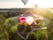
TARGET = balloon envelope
(29,20)
(24,1)
(22,19)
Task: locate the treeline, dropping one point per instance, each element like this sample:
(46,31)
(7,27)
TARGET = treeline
(10,14)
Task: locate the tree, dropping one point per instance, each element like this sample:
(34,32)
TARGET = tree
(50,29)
(3,32)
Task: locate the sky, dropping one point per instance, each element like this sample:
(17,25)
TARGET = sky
(30,4)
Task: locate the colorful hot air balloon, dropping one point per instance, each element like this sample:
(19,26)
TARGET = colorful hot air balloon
(22,19)
(29,20)
(24,1)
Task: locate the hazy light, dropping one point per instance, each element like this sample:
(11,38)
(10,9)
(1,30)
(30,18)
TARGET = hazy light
(38,17)
(41,18)
(45,3)
(51,10)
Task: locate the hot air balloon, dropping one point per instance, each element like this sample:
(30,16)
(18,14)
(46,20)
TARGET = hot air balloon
(22,19)
(24,1)
(29,20)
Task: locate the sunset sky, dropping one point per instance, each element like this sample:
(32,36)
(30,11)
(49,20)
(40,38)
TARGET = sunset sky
(30,4)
